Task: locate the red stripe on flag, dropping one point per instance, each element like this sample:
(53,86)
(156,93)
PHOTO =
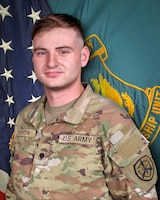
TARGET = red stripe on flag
(2,196)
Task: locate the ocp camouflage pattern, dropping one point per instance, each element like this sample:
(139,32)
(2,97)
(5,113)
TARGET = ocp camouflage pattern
(92,151)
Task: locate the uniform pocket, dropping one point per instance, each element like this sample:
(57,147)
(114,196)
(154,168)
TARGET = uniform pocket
(132,155)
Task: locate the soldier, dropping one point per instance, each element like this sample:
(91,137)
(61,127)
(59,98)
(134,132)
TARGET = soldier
(73,144)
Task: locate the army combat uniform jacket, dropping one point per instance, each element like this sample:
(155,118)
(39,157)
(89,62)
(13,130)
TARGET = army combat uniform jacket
(92,151)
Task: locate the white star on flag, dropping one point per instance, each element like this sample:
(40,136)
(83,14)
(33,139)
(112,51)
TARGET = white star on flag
(4,12)
(9,100)
(33,77)
(6,46)
(31,47)
(7,74)
(34,15)
(11,122)
(33,99)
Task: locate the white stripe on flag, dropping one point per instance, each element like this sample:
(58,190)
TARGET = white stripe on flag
(4,180)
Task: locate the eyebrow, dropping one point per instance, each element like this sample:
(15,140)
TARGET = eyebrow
(58,48)
(64,47)
(39,48)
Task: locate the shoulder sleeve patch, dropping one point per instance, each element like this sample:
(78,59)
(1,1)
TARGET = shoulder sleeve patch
(133,156)
(144,168)
(142,171)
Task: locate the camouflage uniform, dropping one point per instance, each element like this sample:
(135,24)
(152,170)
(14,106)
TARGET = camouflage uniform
(92,151)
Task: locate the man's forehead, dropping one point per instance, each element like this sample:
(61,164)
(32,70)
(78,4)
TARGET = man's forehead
(59,37)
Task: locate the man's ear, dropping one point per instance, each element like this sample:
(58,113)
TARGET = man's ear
(85,53)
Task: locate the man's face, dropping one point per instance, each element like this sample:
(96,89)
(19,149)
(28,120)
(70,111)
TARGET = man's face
(58,56)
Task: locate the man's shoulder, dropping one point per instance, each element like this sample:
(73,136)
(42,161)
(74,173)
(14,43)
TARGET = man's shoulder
(103,101)
(32,106)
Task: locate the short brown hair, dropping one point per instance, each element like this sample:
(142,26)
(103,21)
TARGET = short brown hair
(57,20)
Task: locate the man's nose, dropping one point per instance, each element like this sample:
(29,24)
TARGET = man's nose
(52,60)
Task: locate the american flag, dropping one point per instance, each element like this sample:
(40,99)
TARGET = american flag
(18,83)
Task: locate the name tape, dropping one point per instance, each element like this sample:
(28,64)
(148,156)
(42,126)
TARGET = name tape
(77,139)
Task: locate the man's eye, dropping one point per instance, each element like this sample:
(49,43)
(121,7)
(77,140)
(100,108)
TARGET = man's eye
(63,52)
(41,53)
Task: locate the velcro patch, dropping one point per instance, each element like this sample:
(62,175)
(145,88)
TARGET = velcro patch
(131,146)
(116,137)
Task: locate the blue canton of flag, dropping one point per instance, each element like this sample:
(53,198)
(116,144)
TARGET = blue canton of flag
(18,83)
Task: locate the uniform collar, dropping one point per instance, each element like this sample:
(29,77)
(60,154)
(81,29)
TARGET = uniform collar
(74,115)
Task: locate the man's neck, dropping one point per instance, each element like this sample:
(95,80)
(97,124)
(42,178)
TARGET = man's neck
(63,96)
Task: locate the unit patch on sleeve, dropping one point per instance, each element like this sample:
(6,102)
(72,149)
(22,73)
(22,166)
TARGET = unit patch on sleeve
(144,168)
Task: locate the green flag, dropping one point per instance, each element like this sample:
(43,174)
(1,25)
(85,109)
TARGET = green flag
(124,40)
